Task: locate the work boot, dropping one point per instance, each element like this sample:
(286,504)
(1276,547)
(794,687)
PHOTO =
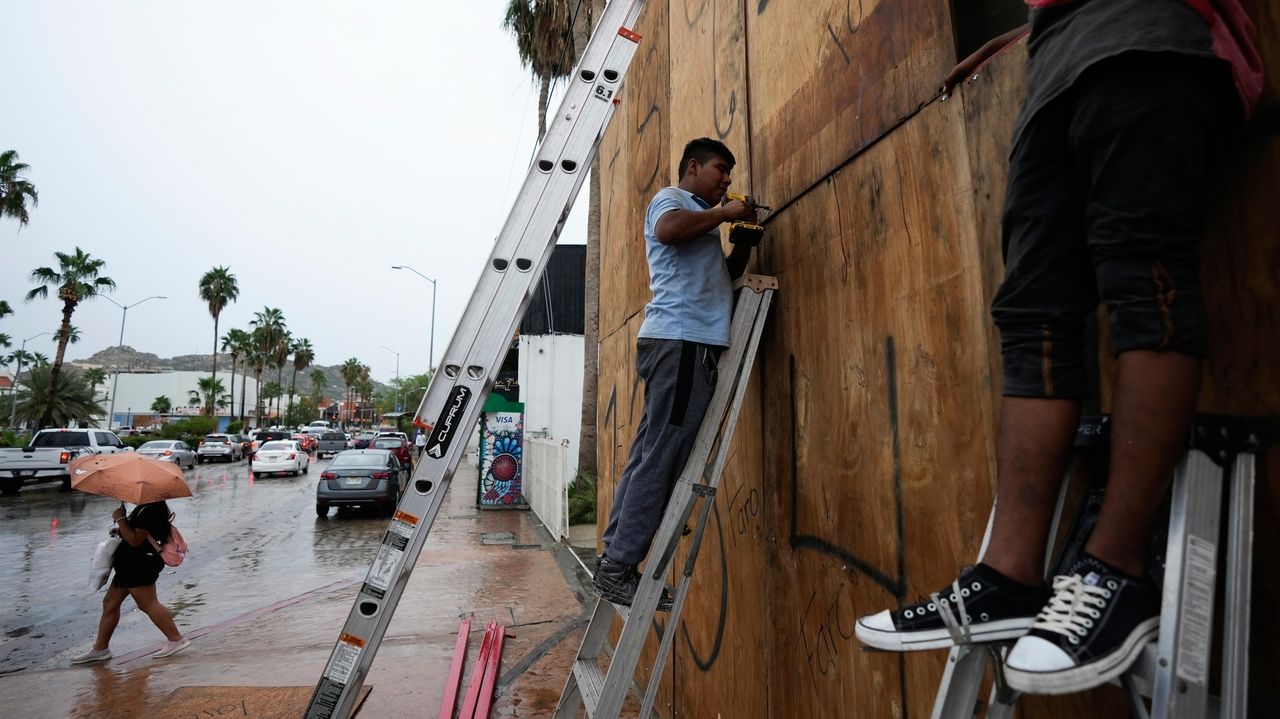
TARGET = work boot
(617,583)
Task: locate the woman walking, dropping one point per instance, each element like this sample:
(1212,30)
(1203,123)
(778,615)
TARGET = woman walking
(137,565)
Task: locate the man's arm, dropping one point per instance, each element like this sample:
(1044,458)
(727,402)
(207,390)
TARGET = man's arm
(679,227)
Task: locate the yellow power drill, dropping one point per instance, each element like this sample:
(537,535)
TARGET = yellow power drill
(745,233)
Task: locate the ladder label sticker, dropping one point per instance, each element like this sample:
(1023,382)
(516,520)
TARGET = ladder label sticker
(343,661)
(1196,621)
(602,93)
(448,426)
(390,555)
(406,518)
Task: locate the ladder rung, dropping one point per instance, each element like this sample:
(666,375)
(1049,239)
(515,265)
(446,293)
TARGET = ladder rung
(590,678)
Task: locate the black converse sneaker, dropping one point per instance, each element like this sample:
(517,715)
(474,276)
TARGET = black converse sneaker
(982,605)
(617,583)
(1089,633)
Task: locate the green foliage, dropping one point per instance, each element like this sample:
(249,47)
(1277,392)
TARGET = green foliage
(15,190)
(190,430)
(582,499)
(9,438)
(135,440)
(71,402)
(161,405)
(234,426)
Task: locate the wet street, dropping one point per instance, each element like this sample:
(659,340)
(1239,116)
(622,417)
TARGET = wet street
(253,542)
(264,592)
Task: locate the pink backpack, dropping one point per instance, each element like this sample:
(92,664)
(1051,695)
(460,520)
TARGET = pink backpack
(174,550)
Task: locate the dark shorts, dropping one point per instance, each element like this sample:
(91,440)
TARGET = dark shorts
(135,569)
(1105,203)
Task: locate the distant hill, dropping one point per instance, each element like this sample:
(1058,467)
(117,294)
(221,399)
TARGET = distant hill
(130,359)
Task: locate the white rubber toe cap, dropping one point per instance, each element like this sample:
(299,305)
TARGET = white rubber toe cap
(1033,654)
(880,622)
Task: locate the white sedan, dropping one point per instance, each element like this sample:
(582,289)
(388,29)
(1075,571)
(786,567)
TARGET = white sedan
(280,457)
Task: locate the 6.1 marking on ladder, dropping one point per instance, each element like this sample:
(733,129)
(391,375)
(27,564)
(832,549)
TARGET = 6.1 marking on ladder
(603,93)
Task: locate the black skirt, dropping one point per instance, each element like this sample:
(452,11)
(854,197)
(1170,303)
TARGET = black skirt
(135,566)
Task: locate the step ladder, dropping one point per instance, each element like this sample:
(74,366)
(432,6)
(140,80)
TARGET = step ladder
(451,405)
(1173,671)
(602,690)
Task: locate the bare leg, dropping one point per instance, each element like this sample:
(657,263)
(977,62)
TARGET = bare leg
(1036,436)
(159,613)
(110,616)
(1154,402)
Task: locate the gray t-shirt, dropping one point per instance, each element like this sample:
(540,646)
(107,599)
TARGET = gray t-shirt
(1067,39)
(692,294)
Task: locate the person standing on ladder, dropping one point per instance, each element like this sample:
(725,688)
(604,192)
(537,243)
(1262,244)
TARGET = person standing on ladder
(686,326)
(1129,102)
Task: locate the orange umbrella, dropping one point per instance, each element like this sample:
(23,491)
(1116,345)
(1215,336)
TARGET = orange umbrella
(129,477)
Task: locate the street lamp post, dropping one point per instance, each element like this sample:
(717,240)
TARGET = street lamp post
(397,354)
(431,360)
(111,413)
(13,401)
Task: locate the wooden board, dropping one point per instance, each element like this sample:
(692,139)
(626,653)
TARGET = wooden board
(882,468)
(641,132)
(827,77)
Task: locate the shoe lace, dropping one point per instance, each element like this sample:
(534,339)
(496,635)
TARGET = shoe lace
(1073,608)
(957,626)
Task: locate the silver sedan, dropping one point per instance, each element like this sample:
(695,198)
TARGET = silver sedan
(169,450)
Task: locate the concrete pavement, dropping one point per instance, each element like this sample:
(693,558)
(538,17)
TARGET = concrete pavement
(527,583)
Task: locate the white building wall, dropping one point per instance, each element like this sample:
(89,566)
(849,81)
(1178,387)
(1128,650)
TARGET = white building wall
(551,390)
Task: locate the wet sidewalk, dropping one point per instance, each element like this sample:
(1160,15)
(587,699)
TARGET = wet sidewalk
(499,566)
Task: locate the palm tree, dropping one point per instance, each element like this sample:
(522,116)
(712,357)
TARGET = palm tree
(210,392)
(14,190)
(318,383)
(279,358)
(39,360)
(218,288)
(350,375)
(268,327)
(5,310)
(271,391)
(76,280)
(95,377)
(303,355)
(59,404)
(161,405)
(544,41)
(234,342)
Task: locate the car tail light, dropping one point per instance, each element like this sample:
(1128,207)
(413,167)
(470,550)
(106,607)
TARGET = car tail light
(380,475)
(328,475)
(64,457)
(293,455)
(166,453)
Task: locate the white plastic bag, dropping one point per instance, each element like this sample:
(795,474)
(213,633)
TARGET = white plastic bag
(100,567)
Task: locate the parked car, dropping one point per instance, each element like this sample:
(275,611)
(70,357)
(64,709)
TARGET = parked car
(330,444)
(393,433)
(321,423)
(398,446)
(361,477)
(306,441)
(220,446)
(280,457)
(49,452)
(169,450)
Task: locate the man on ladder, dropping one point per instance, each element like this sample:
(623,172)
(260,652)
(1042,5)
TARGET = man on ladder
(686,327)
(1128,103)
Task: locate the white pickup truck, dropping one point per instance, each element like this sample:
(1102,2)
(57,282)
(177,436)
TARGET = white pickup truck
(49,454)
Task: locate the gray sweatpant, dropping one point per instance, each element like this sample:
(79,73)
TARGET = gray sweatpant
(679,378)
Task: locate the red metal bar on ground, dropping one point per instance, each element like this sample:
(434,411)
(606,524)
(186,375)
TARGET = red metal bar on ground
(450,700)
(477,674)
(490,674)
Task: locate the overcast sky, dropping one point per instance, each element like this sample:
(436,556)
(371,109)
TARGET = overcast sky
(307,145)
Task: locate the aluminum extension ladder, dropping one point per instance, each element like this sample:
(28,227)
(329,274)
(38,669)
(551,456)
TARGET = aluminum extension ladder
(451,405)
(602,691)
(1174,670)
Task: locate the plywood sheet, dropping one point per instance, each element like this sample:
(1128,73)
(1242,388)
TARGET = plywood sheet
(640,131)
(829,76)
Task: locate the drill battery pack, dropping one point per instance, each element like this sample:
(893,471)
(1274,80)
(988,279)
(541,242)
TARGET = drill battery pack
(745,233)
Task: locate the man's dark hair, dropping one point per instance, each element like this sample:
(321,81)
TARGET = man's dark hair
(702,150)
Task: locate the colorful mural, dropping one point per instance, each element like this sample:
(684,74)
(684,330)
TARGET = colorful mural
(502,460)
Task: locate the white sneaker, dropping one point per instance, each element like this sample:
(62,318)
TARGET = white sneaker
(171,648)
(93,655)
